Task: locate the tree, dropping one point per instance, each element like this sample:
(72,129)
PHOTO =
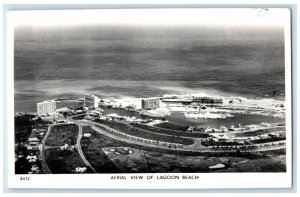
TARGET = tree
(23,127)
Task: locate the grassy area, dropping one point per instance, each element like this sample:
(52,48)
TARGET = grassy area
(269,164)
(271,139)
(218,143)
(158,163)
(169,132)
(251,133)
(144,159)
(131,161)
(79,117)
(92,150)
(63,134)
(273,153)
(167,125)
(64,161)
(99,141)
(140,133)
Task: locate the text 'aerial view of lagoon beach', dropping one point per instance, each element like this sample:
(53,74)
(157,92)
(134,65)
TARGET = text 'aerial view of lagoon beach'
(141,97)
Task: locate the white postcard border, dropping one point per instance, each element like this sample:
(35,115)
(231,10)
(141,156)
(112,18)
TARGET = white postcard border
(104,181)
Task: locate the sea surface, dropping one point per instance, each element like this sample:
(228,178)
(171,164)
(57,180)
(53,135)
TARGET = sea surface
(144,61)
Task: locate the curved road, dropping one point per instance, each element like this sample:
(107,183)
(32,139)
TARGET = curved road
(195,139)
(79,148)
(118,135)
(44,163)
(44,147)
(196,147)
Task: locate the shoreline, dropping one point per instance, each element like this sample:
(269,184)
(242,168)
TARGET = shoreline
(263,106)
(228,108)
(19,100)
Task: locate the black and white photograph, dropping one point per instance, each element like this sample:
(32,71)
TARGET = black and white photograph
(175,93)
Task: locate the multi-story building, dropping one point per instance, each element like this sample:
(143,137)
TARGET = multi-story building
(91,101)
(46,107)
(150,103)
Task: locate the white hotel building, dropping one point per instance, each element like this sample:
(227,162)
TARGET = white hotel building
(46,107)
(91,101)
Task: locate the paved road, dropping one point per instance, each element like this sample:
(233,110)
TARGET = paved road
(197,144)
(197,147)
(164,134)
(45,147)
(42,153)
(79,148)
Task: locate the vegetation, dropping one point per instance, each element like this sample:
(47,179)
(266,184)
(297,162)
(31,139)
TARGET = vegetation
(148,135)
(252,133)
(63,134)
(101,141)
(92,149)
(24,124)
(22,166)
(266,140)
(269,164)
(23,127)
(79,117)
(169,132)
(168,125)
(273,153)
(157,160)
(219,143)
(64,161)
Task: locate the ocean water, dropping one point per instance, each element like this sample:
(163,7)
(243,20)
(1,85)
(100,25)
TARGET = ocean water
(130,61)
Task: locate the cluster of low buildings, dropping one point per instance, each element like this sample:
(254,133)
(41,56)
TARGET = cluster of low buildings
(223,136)
(68,147)
(33,143)
(32,153)
(32,160)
